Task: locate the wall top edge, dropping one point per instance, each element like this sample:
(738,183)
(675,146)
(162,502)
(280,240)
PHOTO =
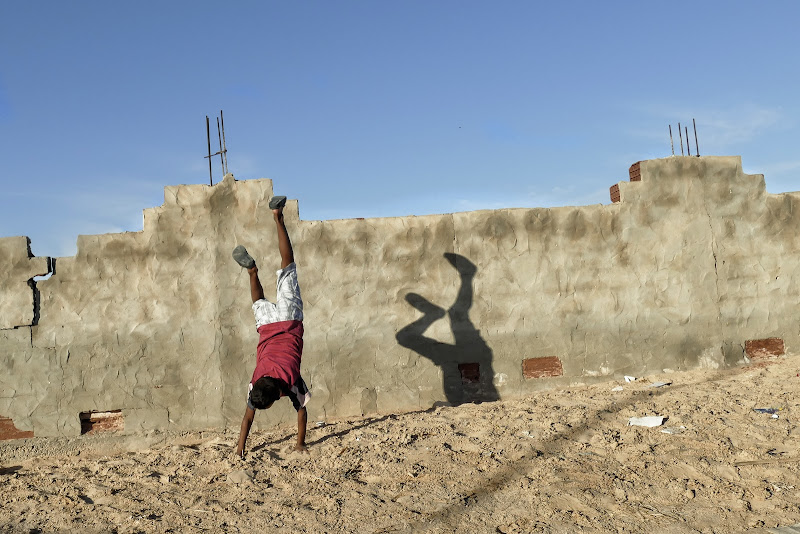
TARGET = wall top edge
(734,162)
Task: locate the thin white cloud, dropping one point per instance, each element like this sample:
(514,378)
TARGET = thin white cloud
(722,129)
(5,105)
(780,168)
(468,204)
(570,196)
(242,166)
(90,212)
(67,244)
(555,197)
(245,167)
(106,209)
(780,177)
(718,129)
(65,247)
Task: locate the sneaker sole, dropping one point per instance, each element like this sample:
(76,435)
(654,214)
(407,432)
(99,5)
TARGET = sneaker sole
(277,202)
(243,258)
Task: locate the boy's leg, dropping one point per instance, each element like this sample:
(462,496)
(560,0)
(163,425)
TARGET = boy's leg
(256,291)
(243,258)
(284,244)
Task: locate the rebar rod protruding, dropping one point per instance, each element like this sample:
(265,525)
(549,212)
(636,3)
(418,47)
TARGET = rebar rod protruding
(696,146)
(671,142)
(221,157)
(224,146)
(680,134)
(208,137)
(688,147)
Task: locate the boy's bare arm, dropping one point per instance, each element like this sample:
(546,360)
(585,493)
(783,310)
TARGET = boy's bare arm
(247,422)
(302,420)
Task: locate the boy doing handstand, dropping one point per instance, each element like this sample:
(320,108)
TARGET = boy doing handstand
(280,344)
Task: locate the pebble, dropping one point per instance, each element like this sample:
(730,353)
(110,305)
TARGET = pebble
(240,476)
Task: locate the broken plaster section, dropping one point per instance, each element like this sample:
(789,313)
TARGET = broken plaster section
(19,296)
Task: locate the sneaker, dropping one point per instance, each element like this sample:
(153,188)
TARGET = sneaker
(277,202)
(243,258)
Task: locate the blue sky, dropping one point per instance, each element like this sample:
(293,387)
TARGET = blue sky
(378,108)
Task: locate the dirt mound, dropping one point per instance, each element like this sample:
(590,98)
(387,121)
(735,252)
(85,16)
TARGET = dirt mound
(560,461)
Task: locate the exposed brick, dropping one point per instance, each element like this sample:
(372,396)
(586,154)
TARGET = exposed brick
(542,367)
(764,348)
(95,422)
(635,175)
(9,431)
(614,190)
(635,172)
(470,372)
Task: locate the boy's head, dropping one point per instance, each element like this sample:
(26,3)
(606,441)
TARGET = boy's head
(265,391)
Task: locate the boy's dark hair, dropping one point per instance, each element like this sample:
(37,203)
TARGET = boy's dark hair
(265,391)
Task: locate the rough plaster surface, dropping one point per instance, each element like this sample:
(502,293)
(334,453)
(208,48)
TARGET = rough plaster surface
(693,260)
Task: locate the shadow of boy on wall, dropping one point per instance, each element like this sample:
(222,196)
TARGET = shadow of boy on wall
(467,364)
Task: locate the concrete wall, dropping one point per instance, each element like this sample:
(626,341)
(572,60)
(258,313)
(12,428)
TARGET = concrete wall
(692,260)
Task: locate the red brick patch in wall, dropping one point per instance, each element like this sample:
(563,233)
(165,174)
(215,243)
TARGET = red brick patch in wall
(614,190)
(94,422)
(542,367)
(635,172)
(9,431)
(764,348)
(470,372)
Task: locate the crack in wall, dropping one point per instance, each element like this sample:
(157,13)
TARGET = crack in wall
(36,302)
(32,285)
(37,297)
(17,274)
(714,254)
(716,271)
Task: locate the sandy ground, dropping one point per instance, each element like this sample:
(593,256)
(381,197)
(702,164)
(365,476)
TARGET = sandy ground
(564,461)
